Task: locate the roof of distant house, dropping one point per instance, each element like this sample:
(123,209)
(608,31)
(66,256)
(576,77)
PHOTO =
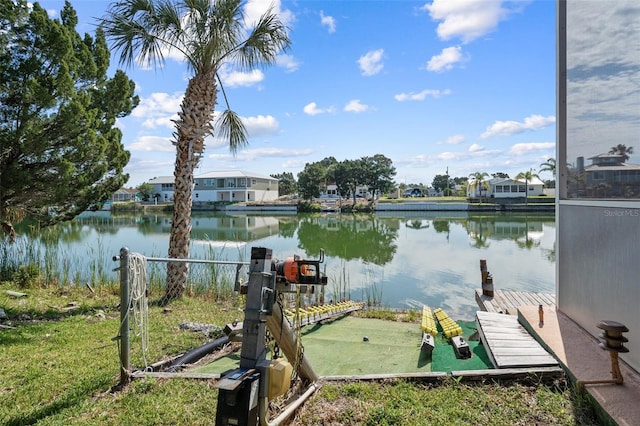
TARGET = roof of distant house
(232,174)
(162,179)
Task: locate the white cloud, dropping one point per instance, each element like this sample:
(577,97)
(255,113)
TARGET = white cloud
(152,144)
(473,152)
(421,96)
(158,109)
(455,140)
(293,164)
(259,153)
(355,105)
(312,109)
(526,148)
(371,62)
(533,122)
(475,148)
(260,125)
(328,21)
(288,62)
(467,19)
(254,9)
(238,79)
(446,59)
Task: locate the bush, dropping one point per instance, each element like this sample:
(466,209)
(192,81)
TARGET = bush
(27,276)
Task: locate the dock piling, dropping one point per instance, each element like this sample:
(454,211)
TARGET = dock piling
(487,279)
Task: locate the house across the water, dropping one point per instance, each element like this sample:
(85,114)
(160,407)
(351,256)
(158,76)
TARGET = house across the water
(231,185)
(505,188)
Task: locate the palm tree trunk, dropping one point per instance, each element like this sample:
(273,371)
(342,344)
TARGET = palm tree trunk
(195,118)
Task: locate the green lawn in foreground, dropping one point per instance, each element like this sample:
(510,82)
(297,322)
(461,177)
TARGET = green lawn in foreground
(59,368)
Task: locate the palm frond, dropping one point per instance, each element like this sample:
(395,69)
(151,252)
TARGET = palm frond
(143,30)
(268,38)
(218,34)
(229,127)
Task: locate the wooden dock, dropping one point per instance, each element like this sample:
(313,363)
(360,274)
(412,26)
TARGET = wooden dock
(508,344)
(507,301)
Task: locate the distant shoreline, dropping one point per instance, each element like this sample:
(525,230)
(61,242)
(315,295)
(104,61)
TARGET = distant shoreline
(395,205)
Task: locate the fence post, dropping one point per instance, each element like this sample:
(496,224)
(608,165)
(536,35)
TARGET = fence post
(124,315)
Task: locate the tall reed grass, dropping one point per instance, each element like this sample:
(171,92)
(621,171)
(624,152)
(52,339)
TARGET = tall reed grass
(40,249)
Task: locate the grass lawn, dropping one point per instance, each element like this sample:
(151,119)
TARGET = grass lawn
(59,365)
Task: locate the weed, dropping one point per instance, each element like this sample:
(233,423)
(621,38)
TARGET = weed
(27,276)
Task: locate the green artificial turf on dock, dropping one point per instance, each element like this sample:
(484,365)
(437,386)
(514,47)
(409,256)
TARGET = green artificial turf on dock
(361,346)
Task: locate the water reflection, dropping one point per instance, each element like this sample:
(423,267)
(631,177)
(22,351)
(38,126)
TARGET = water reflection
(406,259)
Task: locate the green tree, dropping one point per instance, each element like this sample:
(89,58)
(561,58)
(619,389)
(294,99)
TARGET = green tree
(59,149)
(621,149)
(478,181)
(349,174)
(379,174)
(328,165)
(210,35)
(549,166)
(441,183)
(310,180)
(500,175)
(526,177)
(286,183)
(146,190)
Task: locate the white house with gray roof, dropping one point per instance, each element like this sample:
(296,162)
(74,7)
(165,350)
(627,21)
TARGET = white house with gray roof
(230,185)
(506,188)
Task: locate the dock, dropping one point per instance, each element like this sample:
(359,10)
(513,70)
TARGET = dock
(508,301)
(508,344)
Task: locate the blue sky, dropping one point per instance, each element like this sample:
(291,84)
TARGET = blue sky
(463,85)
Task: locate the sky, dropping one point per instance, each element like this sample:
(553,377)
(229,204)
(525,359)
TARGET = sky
(457,86)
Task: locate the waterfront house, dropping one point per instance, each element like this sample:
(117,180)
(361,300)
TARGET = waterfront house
(230,185)
(608,175)
(162,188)
(235,186)
(124,195)
(505,188)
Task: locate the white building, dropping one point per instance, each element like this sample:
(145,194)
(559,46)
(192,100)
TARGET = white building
(505,188)
(162,188)
(233,186)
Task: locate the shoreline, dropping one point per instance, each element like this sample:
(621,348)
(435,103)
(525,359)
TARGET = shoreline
(515,205)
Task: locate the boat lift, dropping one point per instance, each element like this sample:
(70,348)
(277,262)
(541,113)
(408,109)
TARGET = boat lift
(244,393)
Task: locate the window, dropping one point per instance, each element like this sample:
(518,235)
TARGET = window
(597,94)
(521,188)
(498,188)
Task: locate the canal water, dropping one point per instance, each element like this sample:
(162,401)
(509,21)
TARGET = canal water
(401,259)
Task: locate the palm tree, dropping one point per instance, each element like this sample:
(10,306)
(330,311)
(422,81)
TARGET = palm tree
(478,181)
(208,34)
(622,150)
(527,177)
(549,166)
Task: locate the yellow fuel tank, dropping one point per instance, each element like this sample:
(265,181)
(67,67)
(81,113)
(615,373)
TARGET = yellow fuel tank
(279,377)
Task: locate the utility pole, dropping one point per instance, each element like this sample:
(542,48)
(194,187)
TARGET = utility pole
(447,191)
